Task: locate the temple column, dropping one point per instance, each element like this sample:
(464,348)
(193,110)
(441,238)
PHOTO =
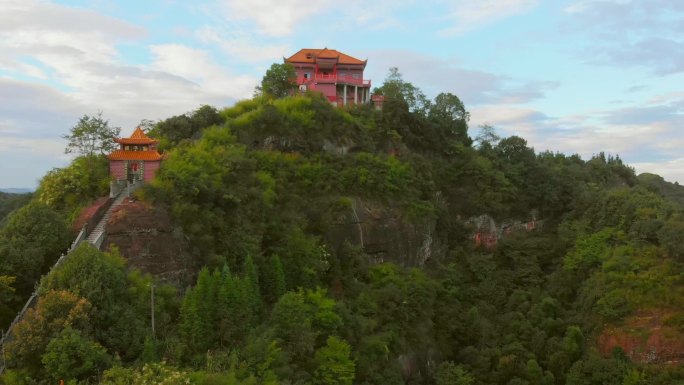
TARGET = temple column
(345,94)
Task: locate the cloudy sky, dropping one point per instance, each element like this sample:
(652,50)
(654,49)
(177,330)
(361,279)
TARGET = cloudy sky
(575,76)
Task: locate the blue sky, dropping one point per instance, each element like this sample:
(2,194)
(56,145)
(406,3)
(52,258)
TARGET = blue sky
(575,76)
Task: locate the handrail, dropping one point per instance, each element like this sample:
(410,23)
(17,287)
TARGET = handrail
(346,78)
(97,242)
(80,237)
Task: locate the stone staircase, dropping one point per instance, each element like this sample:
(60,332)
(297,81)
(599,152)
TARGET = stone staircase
(96,236)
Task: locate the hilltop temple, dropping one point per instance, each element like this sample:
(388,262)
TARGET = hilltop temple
(337,75)
(136,160)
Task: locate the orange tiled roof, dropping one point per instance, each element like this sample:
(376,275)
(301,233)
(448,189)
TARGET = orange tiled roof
(135,155)
(138,137)
(309,55)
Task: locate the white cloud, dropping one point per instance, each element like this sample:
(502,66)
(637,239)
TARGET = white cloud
(32,119)
(30,26)
(474,87)
(18,67)
(76,49)
(34,111)
(76,52)
(241,45)
(469,15)
(630,33)
(582,6)
(503,115)
(274,17)
(638,133)
(198,66)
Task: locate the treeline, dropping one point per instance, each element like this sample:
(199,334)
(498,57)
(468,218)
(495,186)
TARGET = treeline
(261,190)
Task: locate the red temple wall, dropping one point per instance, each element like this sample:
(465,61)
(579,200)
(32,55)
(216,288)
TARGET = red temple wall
(117,169)
(326,89)
(150,170)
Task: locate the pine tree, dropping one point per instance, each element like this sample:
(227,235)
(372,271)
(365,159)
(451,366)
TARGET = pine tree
(199,312)
(251,285)
(273,280)
(227,298)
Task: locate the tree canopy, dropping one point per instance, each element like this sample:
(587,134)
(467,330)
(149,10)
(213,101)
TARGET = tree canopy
(92,135)
(279,81)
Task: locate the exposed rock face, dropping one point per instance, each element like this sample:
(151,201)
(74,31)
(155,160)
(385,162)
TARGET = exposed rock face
(488,233)
(89,212)
(147,239)
(386,235)
(645,338)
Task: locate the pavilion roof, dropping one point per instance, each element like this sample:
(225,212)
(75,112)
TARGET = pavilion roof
(150,155)
(138,137)
(309,55)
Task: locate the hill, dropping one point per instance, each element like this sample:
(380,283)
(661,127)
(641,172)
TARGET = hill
(364,246)
(12,201)
(16,190)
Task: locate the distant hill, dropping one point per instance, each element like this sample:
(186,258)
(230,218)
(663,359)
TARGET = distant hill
(656,183)
(12,201)
(16,190)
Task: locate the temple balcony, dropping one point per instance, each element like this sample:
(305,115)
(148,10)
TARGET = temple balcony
(335,78)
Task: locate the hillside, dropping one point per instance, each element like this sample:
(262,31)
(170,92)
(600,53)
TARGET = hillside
(325,245)
(10,202)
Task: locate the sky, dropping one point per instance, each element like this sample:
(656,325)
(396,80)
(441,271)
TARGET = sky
(571,76)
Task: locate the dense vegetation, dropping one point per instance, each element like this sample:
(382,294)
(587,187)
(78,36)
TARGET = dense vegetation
(10,202)
(261,190)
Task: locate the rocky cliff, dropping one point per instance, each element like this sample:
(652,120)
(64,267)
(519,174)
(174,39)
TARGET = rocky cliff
(647,337)
(385,234)
(147,239)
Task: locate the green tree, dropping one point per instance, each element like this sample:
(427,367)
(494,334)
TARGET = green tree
(451,118)
(334,365)
(671,237)
(534,372)
(54,311)
(30,242)
(449,106)
(156,373)
(209,187)
(101,279)
(71,355)
(7,299)
(170,132)
(487,138)
(199,313)
(292,320)
(279,81)
(448,373)
(70,188)
(251,282)
(273,279)
(395,87)
(595,370)
(91,135)
(635,377)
